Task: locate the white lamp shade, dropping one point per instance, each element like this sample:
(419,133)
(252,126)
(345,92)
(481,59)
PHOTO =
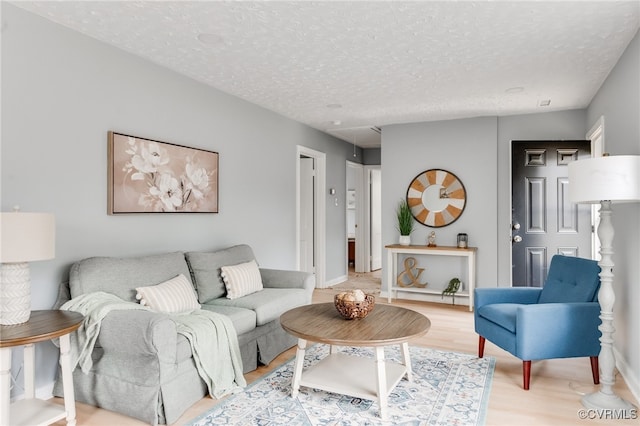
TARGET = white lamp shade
(25,237)
(613,178)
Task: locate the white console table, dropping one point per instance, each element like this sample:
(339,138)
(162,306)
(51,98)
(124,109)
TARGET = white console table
(392,267)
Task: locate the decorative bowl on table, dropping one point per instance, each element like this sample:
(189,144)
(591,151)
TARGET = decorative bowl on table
(354,304)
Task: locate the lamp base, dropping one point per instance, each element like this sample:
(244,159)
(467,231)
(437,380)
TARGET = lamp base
(15,293)
(620,409)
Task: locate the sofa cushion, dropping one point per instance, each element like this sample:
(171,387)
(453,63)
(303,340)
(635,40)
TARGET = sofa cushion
(173,296)
(242,279)
(268,303)
(121,276)
(243,320)
(502,314)
(205,269)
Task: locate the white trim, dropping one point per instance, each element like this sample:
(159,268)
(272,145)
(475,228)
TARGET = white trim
(338,280)
(627,374)
(367,217)
(596,136)
(319,211)
(360,264)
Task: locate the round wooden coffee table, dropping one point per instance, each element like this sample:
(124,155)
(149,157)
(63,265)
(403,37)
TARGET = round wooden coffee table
(350,375)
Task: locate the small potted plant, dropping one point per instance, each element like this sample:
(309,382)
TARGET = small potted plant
(452,289)
(405,222)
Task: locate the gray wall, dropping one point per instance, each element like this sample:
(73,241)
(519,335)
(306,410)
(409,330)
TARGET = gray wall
(618,101)
(62,92)
(466,148)
(372,156)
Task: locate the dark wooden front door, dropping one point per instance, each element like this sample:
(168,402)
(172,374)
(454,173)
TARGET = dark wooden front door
(544,221)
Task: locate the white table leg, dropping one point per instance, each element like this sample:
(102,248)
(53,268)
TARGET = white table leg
(382,382)
(29,371)
(471,261)
(333,349)
(391,258)
(67,380)
(407,360)
(297,372)
(5,385)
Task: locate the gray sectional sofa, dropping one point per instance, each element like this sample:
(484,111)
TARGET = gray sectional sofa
(141,366)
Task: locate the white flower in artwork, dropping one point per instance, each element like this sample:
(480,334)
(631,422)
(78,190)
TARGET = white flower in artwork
(179,186)
(148,160)
(197,181)
(169,191)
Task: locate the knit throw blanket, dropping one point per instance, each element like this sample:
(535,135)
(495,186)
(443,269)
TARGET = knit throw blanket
(213,339)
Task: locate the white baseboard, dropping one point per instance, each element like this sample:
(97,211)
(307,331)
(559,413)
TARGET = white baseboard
(335,281)
(460,300)
(626,372)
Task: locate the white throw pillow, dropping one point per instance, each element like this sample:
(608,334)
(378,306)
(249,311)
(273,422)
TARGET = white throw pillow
(174,296)
(241,279)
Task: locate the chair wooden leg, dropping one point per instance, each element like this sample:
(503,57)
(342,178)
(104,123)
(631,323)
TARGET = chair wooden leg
(481,347)
(526,374)
(595,372)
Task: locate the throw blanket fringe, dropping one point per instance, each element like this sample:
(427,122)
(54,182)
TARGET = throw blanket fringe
(213,340)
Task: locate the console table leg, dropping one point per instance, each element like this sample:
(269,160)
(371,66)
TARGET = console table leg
(67,380)
(297,372)
(5,385)
(382,382)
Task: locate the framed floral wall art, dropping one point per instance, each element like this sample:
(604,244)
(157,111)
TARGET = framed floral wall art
(148,176)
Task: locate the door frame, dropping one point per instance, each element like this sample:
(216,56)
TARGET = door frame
(319,234)
(596,136)
(360,239)
(367,216)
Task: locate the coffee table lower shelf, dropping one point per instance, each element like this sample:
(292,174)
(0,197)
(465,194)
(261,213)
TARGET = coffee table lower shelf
(351,375)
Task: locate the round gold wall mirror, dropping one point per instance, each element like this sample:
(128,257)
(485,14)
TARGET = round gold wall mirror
(436,197)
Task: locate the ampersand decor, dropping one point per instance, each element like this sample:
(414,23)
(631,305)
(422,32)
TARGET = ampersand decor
(409,271)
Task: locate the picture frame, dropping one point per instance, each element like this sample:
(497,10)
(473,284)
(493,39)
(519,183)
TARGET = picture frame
(150,176)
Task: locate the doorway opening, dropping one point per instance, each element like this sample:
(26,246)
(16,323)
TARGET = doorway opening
(311,213)
(363,218)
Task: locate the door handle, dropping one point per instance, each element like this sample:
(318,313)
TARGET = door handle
(517,239)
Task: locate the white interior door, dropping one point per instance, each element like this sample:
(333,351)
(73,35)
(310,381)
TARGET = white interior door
(375,210)
(307,263)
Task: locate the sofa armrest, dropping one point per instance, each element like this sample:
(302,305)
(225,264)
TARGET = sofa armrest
(521,295)
(557,330)
(139,333)
(277,278)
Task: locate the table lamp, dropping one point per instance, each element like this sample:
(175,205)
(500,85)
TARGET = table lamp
(24,237)
(605,180)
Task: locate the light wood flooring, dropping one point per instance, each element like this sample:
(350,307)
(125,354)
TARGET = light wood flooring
(556,385)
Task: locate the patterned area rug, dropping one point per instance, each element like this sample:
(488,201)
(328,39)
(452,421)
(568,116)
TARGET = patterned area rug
(448,388)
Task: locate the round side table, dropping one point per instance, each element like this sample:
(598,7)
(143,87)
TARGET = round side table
(42,326)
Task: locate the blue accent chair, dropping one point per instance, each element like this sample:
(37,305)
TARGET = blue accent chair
(559,320)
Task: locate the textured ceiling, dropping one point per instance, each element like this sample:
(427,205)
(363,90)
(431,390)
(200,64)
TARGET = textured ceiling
(347,67)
